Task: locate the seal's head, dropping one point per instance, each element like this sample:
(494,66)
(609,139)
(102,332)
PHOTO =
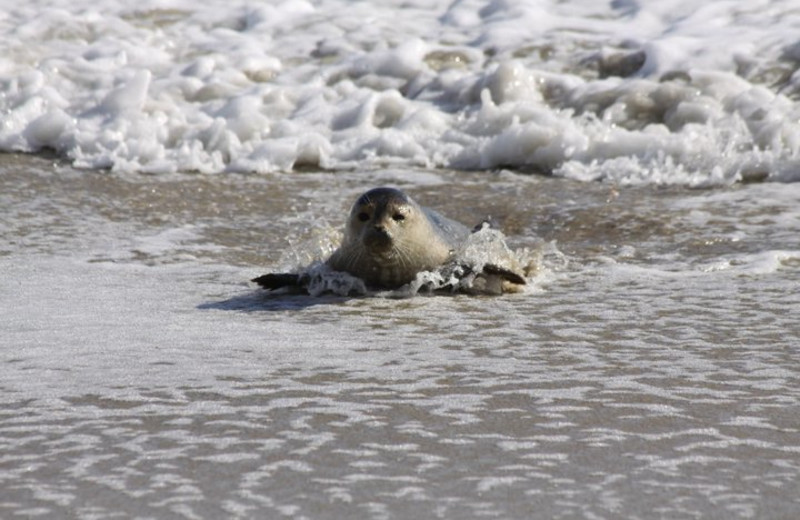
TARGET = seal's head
(379,217)
(388,239)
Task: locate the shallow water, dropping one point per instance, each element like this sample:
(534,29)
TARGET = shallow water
(650,370)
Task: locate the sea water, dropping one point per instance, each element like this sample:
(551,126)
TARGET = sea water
(644,154)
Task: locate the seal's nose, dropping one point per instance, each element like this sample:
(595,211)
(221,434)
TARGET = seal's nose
(378,238)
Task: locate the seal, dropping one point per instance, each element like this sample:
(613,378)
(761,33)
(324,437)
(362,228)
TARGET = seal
(389,238)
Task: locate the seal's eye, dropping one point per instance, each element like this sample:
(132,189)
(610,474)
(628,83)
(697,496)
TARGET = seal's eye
(363,216)
(398,217)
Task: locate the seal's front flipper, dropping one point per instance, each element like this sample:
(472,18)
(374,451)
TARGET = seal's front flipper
(506,274)
(490,279)
(272,281)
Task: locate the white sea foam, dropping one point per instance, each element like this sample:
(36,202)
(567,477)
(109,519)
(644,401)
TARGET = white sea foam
(630,92)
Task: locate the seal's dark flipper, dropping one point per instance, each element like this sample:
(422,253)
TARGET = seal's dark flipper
(506,274)
(274,281)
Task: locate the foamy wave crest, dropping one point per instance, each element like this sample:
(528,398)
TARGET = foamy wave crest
(575,89)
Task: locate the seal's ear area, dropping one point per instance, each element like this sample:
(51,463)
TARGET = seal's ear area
(272,281)
(488,222)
